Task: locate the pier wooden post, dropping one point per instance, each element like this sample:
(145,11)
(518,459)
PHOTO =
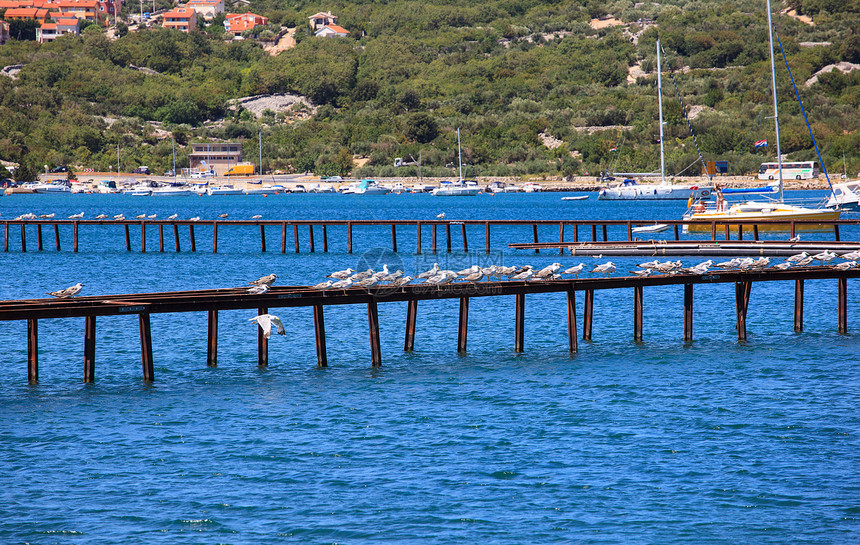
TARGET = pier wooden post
(142,237)
(89,349)
(588,315)
(262,343)
(791,231)
(373,326)
(629,231)
(193,240)
(560,237)
(146,347)
(637,313)
(5,236)
(604,233)
(262,238)
(448,236)
(319,336)
(434,238)
(465,241)
(688,313)
(325,238)
(713,230)
(677,236)
(519,323)
(411,317)
(740,231)
(843,305)
(212,340)
(836,232)
(75,239)
(32,350)
(394,238)
(571,321)
(755,231)
(741,304)
(283,237)
(535,235)
(39,237)
(594,232)
(311,237)
(349,237)
(215,237)
(176,236)
(127,238)
(576,232)
(296,237)
(463,330)
(57,235)
(161,238)
(487,238)
(418,239)
(727,231)
(798,305)
(23,238)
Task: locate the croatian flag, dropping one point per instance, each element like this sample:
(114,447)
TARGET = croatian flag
(760,144)
(613,149)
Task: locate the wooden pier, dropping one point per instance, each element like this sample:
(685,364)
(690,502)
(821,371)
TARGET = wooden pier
(744,233)
(212,301)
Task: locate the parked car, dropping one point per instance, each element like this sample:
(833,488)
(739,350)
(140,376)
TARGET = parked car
(61,168)
(141,170)
(170,173)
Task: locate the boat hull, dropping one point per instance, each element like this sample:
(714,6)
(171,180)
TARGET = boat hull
(788,216)
(653,193)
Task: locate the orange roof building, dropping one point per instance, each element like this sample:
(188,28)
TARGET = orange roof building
(39,14)
(236,23)
(51,31)
(184,19)
(332,31)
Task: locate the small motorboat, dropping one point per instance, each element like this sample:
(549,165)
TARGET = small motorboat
(576,198)
(656,228)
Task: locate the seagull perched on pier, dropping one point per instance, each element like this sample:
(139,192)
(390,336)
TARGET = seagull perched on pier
(266,321)
(341,275)
(195,218)
(853,255)
(824,256)
(804,262)
(402,281)
(605,269)
(393,276)
(368,282)
(474,277)
(784,266)
(381,274)
(575,270)
(430,273)
(361,275)
(547,272)
(101,216)
(471,270)
(648,264)
(258,216)
(141,217)
(66,293)
(797,257)
(119,217)
(730,264)
(322,285)
(47,216)
(441,216)
(223,215)
(701,268)
(258,290)
(173,216)
(845,265)
(152,216)
(524,275)
(267,280)
(342,284)
(76,216)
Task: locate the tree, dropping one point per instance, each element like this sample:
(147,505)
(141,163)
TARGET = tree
(422,128)
(23,29)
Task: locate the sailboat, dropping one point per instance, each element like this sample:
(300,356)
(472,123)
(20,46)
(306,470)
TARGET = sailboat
(460,188)
(765,210)
(630,190)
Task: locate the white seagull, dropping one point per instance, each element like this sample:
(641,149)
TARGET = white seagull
(525,274)
(101,216)
(548,271)
(141,217)
(76,216)
(475,276)
(824,256)
(173,216)
(341,275)
(605,269)
(797,257)
(223,215)
(266,321)
(402,281)
(258,290)
(195,218)
(853,255)
(845,265)
(342,284)
(258,216)
(323,285)
(575,270)
(441,216)
(71,291)
(430,273)
(152,216)
(267,280)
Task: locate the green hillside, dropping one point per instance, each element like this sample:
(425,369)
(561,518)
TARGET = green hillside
(504,71)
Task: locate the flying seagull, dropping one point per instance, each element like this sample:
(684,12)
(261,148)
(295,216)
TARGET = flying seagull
(71,291)
(266,321)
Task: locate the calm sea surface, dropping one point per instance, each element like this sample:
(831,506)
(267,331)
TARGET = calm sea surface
(656,442)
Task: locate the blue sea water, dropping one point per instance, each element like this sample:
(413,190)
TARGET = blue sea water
(714,441)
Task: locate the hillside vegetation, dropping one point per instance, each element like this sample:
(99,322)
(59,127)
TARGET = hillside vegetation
(505,71)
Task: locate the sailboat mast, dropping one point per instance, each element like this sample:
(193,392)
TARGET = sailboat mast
(460,154)
(174,157)
(660,108)
(775,106)
(261,155)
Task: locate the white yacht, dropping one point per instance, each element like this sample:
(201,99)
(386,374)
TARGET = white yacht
(223,190)
(845,196)
(462,188)
(365,187)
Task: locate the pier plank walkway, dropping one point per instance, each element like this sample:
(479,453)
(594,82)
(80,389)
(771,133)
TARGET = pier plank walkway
(212,301)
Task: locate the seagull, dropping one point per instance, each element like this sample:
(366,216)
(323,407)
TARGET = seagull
(730,264)
(195,218)
(845,265)
(393,276)
(119,217)
(851,256)
(266,321)
(101,216)
(795,238)
(761,263)
(441,278)
(402,281)
(368,282)
(357,277)
(173,216)
(381,274)
(341,275)
(701,268)
(141,217)
(258,290)
(430,273)
(782,266)
(471,270)
(267,280)
(547,271)
(47,216)
(441,216)
(824,256)
(342,284)
(649,264)
(526,273)
(797,257)
(804,262)
(475,276)
(606,268)
(223,215)
(575,270)
(76,216)
(71,291)
(152,216)
(258,216)
(322,285)
(642,272)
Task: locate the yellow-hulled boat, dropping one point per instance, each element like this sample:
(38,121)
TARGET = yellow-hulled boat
(764,210)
